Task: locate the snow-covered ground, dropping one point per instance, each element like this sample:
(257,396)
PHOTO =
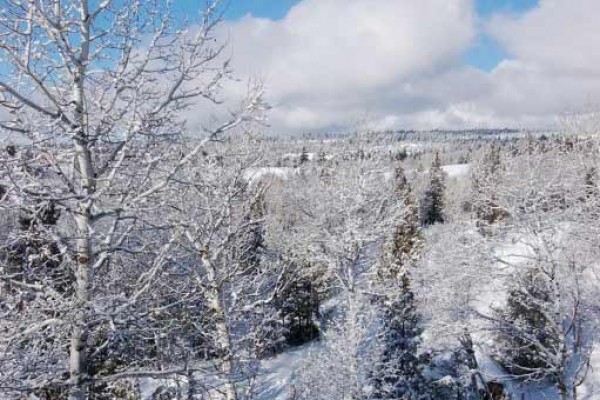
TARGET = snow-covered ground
(257,174)
(457,170)
(298,156)
(276,376)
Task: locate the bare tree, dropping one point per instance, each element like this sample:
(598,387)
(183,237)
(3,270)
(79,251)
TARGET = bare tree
(217,216)
(546,330)
(95,91)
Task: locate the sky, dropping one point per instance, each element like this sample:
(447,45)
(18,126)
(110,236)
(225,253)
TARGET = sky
(420,64)
(485,53)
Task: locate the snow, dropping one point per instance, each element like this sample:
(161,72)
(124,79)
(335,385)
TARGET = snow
(457,170)
(276,376)
(518,390)
(149,386)
(588,390)
(257,174)
(297,156)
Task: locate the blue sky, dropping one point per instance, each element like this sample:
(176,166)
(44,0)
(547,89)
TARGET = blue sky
(272,9)
(485,53)
(421,64)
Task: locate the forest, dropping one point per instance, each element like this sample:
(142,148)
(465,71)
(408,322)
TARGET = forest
(144,260)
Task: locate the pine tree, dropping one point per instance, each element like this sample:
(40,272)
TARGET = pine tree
(298,305)
(433,202)
(398,374)
(322,157)
(591,193)
(592,189)
(524,327)
(255,242)
(485,183)
(304,156)
(406,240)
(445,376)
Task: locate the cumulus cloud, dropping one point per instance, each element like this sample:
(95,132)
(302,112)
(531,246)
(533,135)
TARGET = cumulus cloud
(329,63)
(558,35)
(553,60)
(326,47)
(551,68)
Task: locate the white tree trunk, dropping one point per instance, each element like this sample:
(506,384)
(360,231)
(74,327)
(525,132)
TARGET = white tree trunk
(83,262)
(214,297)
(78,367)
(79,334)
(227,362)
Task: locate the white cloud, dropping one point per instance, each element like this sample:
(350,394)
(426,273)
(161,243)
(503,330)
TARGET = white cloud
(330,62)
(554,57)
(330,46)
(552,67)
(558,35)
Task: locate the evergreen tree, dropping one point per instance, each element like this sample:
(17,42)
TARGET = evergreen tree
(592,189)
(406,239)
(433,202)
(322,157)
(485,183)
(525,329)
(304,156)
(591,193)
(255,242)
(298,305)
(399,374)
(446,376)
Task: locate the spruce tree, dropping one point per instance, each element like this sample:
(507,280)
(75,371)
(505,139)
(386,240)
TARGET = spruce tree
(304,156)
(485,183)
(592,190)
(254,243)
(524,328)
(398,375)
(322,157)
(406,239)
(433,202)
(298,305)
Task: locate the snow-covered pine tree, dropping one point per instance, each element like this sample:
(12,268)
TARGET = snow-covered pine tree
(321,157)
(486,181)
(304,156)
(524,327)
(591,182)
(298,305)
(591,191)
(406,241)
(255,232)
(433,202)
(398,376)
